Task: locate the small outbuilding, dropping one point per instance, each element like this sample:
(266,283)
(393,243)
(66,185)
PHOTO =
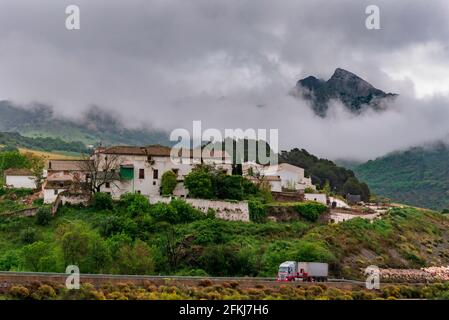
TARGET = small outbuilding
(20,179)
(318,197)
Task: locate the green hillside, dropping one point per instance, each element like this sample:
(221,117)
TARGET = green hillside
(12,140)
(131,236)
(95,126)
(419,176)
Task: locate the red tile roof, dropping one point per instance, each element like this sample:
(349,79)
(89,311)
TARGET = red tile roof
(152,150)
(18,172)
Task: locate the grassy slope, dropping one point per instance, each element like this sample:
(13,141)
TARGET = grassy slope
(405,238)
(52,155)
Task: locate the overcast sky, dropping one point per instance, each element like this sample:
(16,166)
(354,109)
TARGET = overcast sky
(231,63)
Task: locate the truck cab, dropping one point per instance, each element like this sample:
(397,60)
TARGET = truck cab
(287,271)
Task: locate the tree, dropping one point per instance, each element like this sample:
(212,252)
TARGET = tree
(199,183)
(172,246)
(43,216)
(36,164)
(99,257)
(135,203)
(33,254)
(17,160)
(366,195)
(75,244)
(327,188)
(102,201)
(101,170)
(229,187)
(136,259)
(168,183)
(352,186)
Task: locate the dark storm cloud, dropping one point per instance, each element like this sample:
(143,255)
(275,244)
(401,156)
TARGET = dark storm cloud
(165,63)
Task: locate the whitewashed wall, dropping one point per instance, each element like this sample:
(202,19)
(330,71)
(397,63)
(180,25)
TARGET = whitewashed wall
(19,182)
(149,186)
(318,197)
(50,196)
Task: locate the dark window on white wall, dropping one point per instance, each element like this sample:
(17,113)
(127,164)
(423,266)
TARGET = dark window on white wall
(155,174)
(141,173)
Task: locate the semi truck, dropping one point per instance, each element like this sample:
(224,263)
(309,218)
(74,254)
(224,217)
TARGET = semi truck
(305,271)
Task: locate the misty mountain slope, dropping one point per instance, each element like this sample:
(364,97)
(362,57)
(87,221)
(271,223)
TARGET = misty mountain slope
(96,126)
(351,90)
(419,176)
(12,140)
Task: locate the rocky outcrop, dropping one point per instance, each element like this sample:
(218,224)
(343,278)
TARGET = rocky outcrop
(354,92)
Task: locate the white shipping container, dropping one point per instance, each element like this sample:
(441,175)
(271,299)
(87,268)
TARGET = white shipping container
(314,269)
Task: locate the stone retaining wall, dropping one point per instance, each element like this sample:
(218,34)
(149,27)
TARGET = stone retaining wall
(233,211)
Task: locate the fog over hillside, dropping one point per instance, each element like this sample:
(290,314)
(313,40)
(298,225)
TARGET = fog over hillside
(232,64)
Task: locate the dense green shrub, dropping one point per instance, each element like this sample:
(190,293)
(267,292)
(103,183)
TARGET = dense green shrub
(310,210)
(116,224)
(257,211)
(82,246)
(208,182)
(34,256)
(22,192)
(102,201)
(135,203)
(229,187)
(11,260)
(38,202)
(199,183)
(28,235)
(43,216)
(136,259)
(168,183)
(177,211)
(312,251)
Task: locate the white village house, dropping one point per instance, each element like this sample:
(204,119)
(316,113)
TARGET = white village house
(140,169)
(128,169)
(61,175)
(283,176)
(20,179)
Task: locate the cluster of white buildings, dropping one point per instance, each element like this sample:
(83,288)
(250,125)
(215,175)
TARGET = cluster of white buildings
(280,177)
(140,169)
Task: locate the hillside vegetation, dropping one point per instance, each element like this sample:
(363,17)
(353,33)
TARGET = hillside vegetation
(12,140)
(419,176)
(133,237)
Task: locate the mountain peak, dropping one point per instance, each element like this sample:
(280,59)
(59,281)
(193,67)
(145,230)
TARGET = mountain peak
(354,92)
(341,71)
